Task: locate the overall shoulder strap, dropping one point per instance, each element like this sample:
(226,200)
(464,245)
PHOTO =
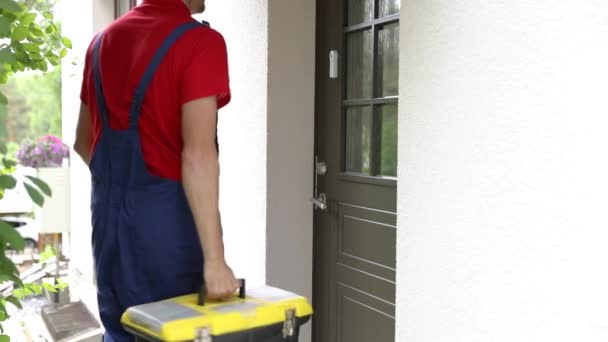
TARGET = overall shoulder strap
(101,100)
(140,91)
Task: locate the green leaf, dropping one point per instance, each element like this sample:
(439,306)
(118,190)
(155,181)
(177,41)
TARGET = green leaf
(54,60)
(4,277)
(7,267)
(64,52)
(67,42)
(17,281)
(4,338)
(5,26)
(49,287)
(27,19)
(22,56)
(31,47)
(34,195)
(10,16)
(61,284)
(19,293)
(48,15)
(20,33)
(10,5)
(36,57)
(9,163)
(13,300)
(10,235)
(41,185)
(35,288)
(50,29)
(36,32)
(7,56)
(7,182)
(3,101)
(20,66)
(3,149)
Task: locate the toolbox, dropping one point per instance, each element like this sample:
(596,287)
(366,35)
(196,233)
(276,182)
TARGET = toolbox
(264,314)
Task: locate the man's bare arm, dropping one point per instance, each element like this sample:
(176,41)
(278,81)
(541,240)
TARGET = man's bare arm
(200,177)
(84,134)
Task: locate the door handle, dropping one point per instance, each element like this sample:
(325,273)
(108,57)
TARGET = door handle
(320,202)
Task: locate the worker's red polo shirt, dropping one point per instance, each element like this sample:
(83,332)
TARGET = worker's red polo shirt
(195,67)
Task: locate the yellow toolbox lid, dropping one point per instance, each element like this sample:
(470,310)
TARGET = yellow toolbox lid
(180,318)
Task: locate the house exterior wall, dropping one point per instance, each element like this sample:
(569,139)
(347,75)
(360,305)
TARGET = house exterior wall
(80,29)
(502,171)
(243,135)
(291,113)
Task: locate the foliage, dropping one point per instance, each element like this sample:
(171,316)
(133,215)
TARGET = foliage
(48,253)
(9,237)
(31,114)
(30,39)
(48,151)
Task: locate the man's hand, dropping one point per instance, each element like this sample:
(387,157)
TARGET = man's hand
(219,280)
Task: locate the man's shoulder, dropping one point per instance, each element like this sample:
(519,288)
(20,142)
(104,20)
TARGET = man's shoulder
(206,33)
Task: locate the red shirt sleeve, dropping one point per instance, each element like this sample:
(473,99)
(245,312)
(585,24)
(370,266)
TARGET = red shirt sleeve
(87,75)
(207,73)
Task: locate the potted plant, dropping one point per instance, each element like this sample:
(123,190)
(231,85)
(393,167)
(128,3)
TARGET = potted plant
(54,288)
(49,157)
(47,152)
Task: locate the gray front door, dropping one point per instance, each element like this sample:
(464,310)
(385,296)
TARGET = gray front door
(356,137)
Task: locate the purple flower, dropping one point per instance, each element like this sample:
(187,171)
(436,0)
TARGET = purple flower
(47,151)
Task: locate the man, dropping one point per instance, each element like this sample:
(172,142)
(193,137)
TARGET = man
(153,82)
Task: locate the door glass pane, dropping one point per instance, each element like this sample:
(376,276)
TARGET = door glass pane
(388,60)
(359,65)
(388,7)
(388,158)
(358,139)
(360,11)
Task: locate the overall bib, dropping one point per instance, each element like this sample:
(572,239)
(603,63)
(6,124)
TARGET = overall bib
(145,243)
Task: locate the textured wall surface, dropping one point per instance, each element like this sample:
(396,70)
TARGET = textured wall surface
(502,171)
(243,134)
(291,96)
(80,29)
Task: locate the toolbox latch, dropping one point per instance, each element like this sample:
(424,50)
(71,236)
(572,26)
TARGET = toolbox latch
(203,335)
(290,323)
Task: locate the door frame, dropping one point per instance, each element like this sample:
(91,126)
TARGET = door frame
(321,331)
(323,276)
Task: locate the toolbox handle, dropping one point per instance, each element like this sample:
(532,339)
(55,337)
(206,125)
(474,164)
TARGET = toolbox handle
(202,293)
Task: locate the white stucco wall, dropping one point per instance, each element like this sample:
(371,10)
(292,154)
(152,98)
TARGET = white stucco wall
(243,135)
(291,108)
(502,171)
(79,28)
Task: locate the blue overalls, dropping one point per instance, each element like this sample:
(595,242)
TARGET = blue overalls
(145,243)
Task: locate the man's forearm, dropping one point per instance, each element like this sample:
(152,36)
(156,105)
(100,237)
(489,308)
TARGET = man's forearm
(200,178)
(84,134)
(83,152)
